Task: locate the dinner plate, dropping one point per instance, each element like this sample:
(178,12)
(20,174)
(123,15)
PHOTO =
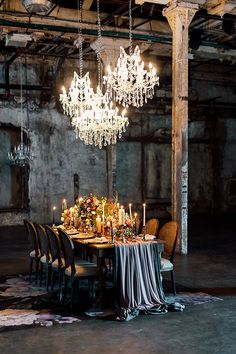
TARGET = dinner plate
(82,236)
(72,232)
(97,240)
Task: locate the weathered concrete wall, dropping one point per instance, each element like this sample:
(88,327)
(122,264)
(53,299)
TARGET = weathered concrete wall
(143,155)
(57,157)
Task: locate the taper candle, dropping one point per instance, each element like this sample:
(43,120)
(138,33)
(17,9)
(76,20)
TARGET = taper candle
(53,214)
(130,212)
(144,214)
(99,225)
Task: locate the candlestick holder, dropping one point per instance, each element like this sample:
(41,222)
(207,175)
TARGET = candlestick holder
(123,234)
(112,235)
(144,233)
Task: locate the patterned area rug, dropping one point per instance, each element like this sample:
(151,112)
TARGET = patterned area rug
(187,298)
(24,304)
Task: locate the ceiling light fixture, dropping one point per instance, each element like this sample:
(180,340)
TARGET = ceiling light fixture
(37,6)
(99,123)
(20,155)
(130,83)
(80,93)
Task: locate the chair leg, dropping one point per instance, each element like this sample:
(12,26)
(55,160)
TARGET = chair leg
(41,275)
(31,268)
(52,279)
(60,285)
(173,282)
(47,277)
(72,293)
(65,287)
(36,270)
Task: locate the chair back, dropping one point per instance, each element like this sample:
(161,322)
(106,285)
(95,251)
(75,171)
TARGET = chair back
(43,241)
(55,244)
(152,226)
(32,236)
(67,249)
(168,233)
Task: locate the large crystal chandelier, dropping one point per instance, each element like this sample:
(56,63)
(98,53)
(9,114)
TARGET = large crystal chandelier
(80,92)
(130,83)
(94,119)
(20,155)
(78,97)
(101,124)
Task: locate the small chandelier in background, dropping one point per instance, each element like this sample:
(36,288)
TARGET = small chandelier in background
(129,83)
(20,155)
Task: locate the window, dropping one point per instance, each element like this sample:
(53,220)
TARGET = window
(13,179)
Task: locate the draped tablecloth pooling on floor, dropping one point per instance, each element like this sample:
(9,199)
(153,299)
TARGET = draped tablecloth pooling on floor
(138,280)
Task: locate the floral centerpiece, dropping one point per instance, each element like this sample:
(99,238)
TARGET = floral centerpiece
(89,208)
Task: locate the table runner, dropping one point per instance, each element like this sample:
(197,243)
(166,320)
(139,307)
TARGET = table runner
(138,280)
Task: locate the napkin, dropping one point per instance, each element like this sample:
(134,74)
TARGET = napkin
(150,237)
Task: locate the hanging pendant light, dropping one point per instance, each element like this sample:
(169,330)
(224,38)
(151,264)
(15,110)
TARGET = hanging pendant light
(80,93)
(20,155)
(130,83)
(98,123)
(93,118)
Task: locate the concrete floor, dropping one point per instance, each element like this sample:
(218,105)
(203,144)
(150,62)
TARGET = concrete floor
(210,328)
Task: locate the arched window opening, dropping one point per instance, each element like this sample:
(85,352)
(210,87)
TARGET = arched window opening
(13,179)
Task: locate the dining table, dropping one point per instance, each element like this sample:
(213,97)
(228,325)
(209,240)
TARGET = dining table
(103,248)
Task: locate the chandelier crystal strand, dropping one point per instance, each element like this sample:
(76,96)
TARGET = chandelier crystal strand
(100,124)
(21,154)
(130,83)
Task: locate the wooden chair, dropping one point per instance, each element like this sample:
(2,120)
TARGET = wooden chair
(45,259)
(57,261)
(75,269)
(152,226)
(168,233)
(35,249)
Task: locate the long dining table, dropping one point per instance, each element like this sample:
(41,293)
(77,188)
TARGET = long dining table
(104,251)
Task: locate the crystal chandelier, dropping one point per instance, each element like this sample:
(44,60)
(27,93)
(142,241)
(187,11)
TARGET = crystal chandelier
(80,92)
(130,83)
(94,119)
(100,125)
(78,97)
(20,155)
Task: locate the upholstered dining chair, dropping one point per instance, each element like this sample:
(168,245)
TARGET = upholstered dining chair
(168,233)
(152,226)
(57,260)
(35,249)
(45,259)
(75,270)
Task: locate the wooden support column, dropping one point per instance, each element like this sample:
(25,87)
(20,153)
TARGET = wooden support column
(179,15)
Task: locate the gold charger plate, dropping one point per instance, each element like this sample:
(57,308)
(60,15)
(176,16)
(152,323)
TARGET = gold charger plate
(82,236)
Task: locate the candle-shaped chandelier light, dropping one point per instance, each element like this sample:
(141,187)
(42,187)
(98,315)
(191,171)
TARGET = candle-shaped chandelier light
(130,83)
